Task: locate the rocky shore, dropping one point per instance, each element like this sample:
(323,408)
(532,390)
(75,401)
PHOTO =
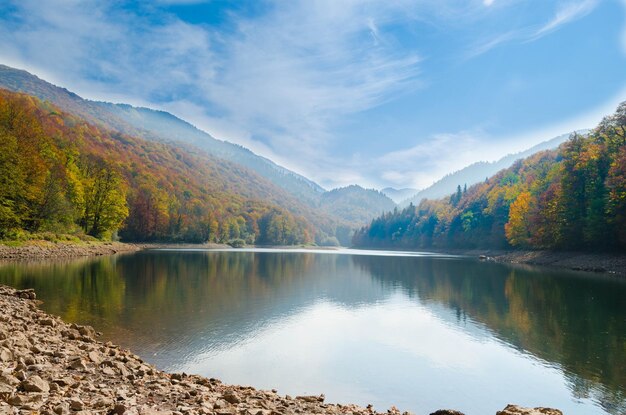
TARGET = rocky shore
(51,250)
(612,264)
(50,367)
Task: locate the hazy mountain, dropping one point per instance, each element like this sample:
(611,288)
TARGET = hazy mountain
(356,204)
(157,125)
(478,172)
(398,195)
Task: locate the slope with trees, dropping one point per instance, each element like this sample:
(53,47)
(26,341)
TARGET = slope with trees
(477,172)
(570,198)
(61,174)
(157,126)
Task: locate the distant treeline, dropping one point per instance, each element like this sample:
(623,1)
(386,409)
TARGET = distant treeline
(61,174)
(570,198)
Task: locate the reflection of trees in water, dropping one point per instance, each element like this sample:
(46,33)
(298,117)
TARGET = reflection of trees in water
(575,321)
(72,289)
(578,323)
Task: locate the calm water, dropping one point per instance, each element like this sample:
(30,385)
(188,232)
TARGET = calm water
(420,332)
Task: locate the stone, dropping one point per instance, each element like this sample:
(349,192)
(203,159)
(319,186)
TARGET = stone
(94,357)
(5,355)
(76,404)
(25,401)
(78,364)
(519,410)
(62,409)
(35,384)
(231,397)
(313,398)
(447,412)
(48,322)
(119,409)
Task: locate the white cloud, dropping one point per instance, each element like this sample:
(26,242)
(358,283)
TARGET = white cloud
(419,166)
(566,14)
(276,83)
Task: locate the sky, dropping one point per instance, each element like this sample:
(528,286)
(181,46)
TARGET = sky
(373,92)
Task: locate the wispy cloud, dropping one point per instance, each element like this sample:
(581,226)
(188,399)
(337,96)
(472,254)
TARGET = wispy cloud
(566,14)
(424,163)
(278,81)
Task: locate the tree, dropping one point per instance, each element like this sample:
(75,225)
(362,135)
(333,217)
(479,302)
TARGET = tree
(105,199)
(517,229)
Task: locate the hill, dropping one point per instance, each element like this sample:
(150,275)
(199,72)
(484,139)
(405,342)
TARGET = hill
(355,204)
(478,172)
(159,126)
(398,195)
(59,173)
(571,198)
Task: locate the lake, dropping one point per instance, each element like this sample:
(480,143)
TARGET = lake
(418,331)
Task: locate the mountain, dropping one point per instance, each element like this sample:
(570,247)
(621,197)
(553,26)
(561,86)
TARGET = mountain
(291,191)
(478,172)
(61,174)
(355,204)
(398,195)
(571,198)
(159,126)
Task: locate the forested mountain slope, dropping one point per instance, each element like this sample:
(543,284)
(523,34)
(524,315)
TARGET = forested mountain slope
(356,204)
(478,172)
(60,173)
(157,125)
(570,198)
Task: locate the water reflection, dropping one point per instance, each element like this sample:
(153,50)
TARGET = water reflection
(421,332)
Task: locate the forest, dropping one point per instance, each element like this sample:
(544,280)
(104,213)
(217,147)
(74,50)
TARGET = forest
(62,175)
(572,198)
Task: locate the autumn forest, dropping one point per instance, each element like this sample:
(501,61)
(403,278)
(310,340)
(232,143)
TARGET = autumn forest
(571,198)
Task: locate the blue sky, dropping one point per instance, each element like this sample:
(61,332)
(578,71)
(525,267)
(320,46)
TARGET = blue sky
(379,93)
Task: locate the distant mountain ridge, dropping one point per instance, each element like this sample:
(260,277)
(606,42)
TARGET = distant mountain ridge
(157,125)
(477,172)
(356,204)
(398,195)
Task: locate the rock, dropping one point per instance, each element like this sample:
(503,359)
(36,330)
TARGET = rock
(319,398)
(6,391)
(76,404)
(5,355)
(518,410)
(35,384)
(119,409)
(22,401)
(48,322)
(447,412)
(28,294)
(231,397)
(62,409)
(95,357)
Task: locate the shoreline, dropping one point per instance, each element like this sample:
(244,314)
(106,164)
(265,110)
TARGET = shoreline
(51,367)
(613,264)
(610,264)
